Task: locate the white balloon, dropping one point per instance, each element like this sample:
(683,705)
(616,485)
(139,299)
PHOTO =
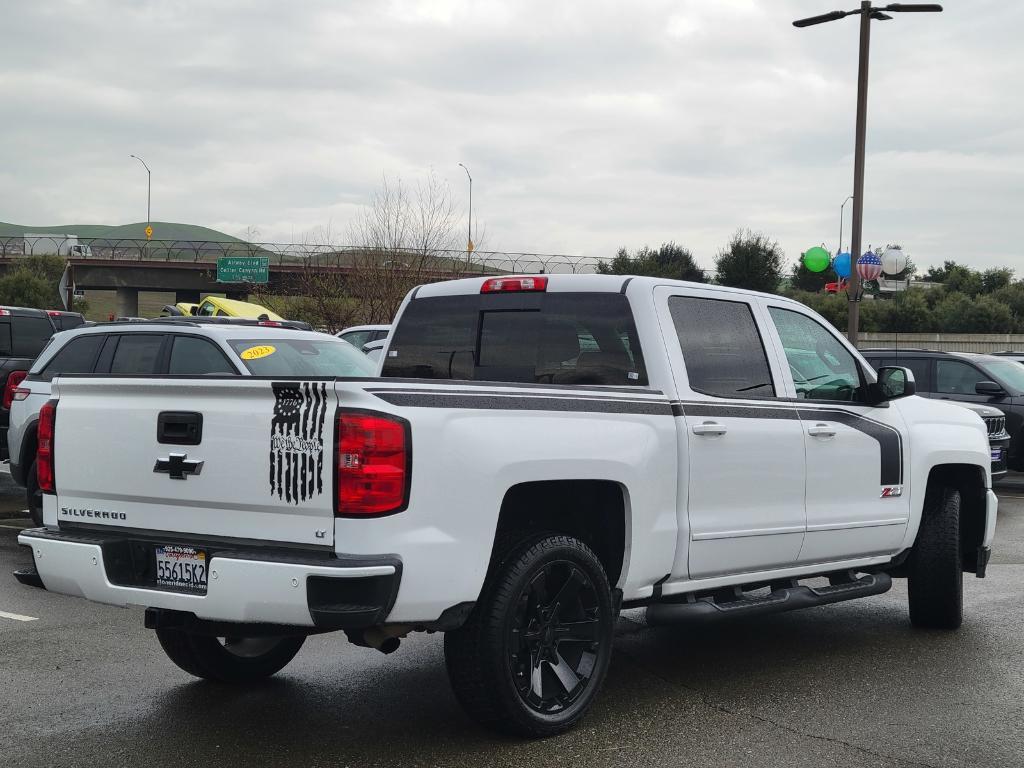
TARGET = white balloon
(894,261)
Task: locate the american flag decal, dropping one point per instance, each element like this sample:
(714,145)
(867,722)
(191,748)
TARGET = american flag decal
(297,440)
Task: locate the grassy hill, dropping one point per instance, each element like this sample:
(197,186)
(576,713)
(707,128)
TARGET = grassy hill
(162,230)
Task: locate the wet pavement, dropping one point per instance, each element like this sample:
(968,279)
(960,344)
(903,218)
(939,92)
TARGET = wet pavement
(845,685)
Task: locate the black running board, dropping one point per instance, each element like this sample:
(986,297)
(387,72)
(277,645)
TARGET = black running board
(788,596)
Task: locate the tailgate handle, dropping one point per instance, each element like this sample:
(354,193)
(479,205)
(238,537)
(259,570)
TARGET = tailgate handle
(179,428)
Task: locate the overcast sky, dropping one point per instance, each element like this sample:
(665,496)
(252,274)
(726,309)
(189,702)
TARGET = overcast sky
(587,124)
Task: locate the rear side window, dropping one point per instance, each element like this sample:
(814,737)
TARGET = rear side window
(721,347)
(29,335)
(5,339)
(302,357)
(137,353)
(357,338)
(544,338)
(191,356)
(77,356)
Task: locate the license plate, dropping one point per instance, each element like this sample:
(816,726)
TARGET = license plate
(997,454)
(181,568)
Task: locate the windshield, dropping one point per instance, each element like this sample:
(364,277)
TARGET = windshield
(302,357)
(1008,373)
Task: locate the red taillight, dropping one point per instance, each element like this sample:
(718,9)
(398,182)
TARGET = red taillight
(13,380)
(53,313)
(271,323)
(4,312)
(373,464)
(514,284)
(44,449)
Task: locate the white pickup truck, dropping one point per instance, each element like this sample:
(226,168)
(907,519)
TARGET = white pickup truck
(537,453)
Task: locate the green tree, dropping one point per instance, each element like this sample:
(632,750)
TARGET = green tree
(21,287)
(960,313)
(1013,297)
(802,279)
(994,279)
(750,260)
(670,260)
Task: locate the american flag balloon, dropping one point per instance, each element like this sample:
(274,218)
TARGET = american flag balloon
(869,266)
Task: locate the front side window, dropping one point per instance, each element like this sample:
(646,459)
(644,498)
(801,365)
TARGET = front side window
(357,338)
(721,347)
(1006,372)
(543,338)
(77,356)
(822,368)
(191,356)
(206,309)
(137,353)
(953,377)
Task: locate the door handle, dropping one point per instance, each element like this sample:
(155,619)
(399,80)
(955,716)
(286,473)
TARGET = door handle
(821,430)
(709,428)
(179,428)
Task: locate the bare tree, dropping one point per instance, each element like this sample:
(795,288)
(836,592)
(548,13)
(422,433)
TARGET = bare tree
(406,236)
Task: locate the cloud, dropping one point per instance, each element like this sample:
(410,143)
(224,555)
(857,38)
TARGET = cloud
(587,125)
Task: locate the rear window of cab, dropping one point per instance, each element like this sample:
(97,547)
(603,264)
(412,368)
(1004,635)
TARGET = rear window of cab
(302,357)
(543,338)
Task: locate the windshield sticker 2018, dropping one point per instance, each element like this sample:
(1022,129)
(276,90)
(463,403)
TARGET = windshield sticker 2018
(297,440)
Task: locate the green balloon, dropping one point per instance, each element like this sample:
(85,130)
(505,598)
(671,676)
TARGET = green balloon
(817,259)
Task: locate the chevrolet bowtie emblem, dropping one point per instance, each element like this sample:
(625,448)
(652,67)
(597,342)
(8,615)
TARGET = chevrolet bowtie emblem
(178,466)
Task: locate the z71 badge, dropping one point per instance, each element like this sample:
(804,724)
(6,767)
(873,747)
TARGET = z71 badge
(891,491)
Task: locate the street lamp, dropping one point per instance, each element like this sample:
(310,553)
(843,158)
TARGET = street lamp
(469,228)
(839,248)
(867,12)
(149,188)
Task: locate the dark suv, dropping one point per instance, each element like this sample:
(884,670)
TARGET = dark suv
(23,334)
(966,377)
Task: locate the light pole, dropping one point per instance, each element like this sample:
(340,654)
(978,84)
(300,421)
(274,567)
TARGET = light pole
(867,12)
(469,227)
(839,248)
(149,188)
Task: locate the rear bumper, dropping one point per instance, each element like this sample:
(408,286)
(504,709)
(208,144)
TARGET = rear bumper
(293,588)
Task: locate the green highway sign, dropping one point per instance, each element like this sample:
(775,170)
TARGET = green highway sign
(243,269)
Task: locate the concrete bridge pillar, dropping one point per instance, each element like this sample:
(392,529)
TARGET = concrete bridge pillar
(192,297)
(127,302)
(237,295)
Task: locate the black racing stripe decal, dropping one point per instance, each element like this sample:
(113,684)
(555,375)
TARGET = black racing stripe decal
(738,411)
(889,439)
(415,399)
(507,393)
(625,285)
(464,383)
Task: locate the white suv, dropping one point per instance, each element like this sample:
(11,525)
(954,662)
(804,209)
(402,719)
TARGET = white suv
(185,347)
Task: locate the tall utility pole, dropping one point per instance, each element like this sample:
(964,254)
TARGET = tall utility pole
(867,12)
(469,226)
(149,189)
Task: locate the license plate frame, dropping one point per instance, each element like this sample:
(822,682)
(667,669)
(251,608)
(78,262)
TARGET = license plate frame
(181,568)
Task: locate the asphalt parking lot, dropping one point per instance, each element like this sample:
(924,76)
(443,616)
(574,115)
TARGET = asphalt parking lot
(844,685)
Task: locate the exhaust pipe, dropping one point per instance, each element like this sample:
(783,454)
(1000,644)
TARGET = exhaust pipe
(385,639)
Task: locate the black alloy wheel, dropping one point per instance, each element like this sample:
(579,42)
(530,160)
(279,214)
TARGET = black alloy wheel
(553,639)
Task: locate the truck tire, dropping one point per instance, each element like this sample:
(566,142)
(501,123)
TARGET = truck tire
(935,577)
(33,496)
(535,650)
(229,660)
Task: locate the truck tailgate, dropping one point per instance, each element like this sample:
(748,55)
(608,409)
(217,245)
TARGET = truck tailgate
(130,452)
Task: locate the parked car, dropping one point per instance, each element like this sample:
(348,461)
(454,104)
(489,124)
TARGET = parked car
(966,377)
(214,306)
(1017,357)
(23,334)
(65,321)
(539,451)
(998,437)
(374,349)
(358,335)
(190,347)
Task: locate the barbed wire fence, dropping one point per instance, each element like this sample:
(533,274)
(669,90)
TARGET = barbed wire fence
(314,256)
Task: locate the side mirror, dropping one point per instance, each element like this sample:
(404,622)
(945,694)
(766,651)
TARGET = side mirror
(893,382)
(989,388)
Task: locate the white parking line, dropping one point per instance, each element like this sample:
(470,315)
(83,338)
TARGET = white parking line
(13,527)
(16,616)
